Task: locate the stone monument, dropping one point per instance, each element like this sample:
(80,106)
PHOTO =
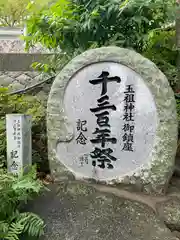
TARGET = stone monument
(19,146)
(112,119)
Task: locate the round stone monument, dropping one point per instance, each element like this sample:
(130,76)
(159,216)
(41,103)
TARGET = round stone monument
(112,118)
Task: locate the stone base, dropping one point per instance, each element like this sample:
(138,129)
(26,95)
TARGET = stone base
(79,211)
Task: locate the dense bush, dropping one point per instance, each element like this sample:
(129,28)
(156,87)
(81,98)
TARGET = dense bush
(26,105)
(178,109)
(14,192)
(76,25)
(160,47)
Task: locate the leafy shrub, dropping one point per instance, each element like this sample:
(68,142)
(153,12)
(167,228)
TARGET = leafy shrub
(39,144)
(26,105)
(14,192)
(77,24)
(178,108)
(160,47)
(178,116)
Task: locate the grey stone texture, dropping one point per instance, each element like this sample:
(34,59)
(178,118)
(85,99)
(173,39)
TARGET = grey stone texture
(27,79)
(15,70)
(170,210)
(152,178)
(17,46)
(19,80)
(12,45)
(76,211)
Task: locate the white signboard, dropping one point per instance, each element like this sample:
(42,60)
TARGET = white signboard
(114,117)
(19,146)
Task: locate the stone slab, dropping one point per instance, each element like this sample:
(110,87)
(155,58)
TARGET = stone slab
(19,145)
(75,211)
(133,134)
(151,165)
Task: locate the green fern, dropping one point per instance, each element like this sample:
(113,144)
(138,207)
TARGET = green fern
(15,229)
(32,224)
(15,191)
(4,226)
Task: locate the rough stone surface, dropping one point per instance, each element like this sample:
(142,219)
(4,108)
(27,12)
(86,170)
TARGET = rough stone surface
(169,210)
(5,80)
(20,80)
(177,234)
(15,86)
(76,211)
(174,186)
(17,46)
(151,178)
(24,79)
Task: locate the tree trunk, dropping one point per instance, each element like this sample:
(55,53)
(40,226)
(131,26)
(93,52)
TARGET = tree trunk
(178,43)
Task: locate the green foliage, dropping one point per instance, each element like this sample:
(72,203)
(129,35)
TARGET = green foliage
(15,191)
(14,12)
(39,144)
(47,19)
(25,105)
(160,47)
(77,24)
(178,109)
(178,117)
